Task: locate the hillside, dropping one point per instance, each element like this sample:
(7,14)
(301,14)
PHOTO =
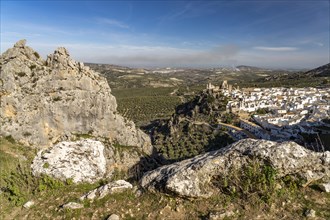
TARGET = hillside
(125,77)
(192,129)
(322,71)
(312,78)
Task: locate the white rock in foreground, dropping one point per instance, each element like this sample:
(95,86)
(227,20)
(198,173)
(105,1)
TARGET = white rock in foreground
(110,188)
(28,204)
(81,161)
(73,205)
(192,177)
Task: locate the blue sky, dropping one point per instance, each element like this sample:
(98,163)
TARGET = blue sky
(285,34)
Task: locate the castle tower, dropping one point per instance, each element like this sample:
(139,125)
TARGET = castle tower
(224,85)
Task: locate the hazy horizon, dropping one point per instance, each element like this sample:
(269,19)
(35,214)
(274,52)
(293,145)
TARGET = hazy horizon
(195,34)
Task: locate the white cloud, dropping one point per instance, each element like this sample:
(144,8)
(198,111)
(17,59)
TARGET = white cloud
(276,49)
(112,22)
(319,44)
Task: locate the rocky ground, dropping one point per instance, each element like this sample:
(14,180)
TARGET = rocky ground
(171,192)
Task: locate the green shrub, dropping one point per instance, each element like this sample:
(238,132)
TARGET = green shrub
(10,139)
(69,181)
(253,181)
(26,134)
(21,74)
(20,184)
(84,136)
(33,66)
(36,54)
(58,98)
(48,183)
(46,165)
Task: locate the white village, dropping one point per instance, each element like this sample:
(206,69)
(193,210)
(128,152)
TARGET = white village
(279,114)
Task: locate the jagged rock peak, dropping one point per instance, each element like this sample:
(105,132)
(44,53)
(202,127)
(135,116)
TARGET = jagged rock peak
(21,52)
(62,51)
(61,59)
(46,102)
(20,43)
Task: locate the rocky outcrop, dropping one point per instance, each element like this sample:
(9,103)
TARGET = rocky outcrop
(193,177)
(193,128)
(43,102)
(81,161)
(107,189)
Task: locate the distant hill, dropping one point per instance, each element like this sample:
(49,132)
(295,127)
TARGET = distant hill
(319,76)
(250,68)
(321,71)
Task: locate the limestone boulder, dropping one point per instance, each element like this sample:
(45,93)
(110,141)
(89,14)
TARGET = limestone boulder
(192,177)
(81,161)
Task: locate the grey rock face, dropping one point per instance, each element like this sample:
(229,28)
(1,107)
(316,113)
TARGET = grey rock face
(42,102)
(81,161)
(110,188)
(192,177)
(20,44)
